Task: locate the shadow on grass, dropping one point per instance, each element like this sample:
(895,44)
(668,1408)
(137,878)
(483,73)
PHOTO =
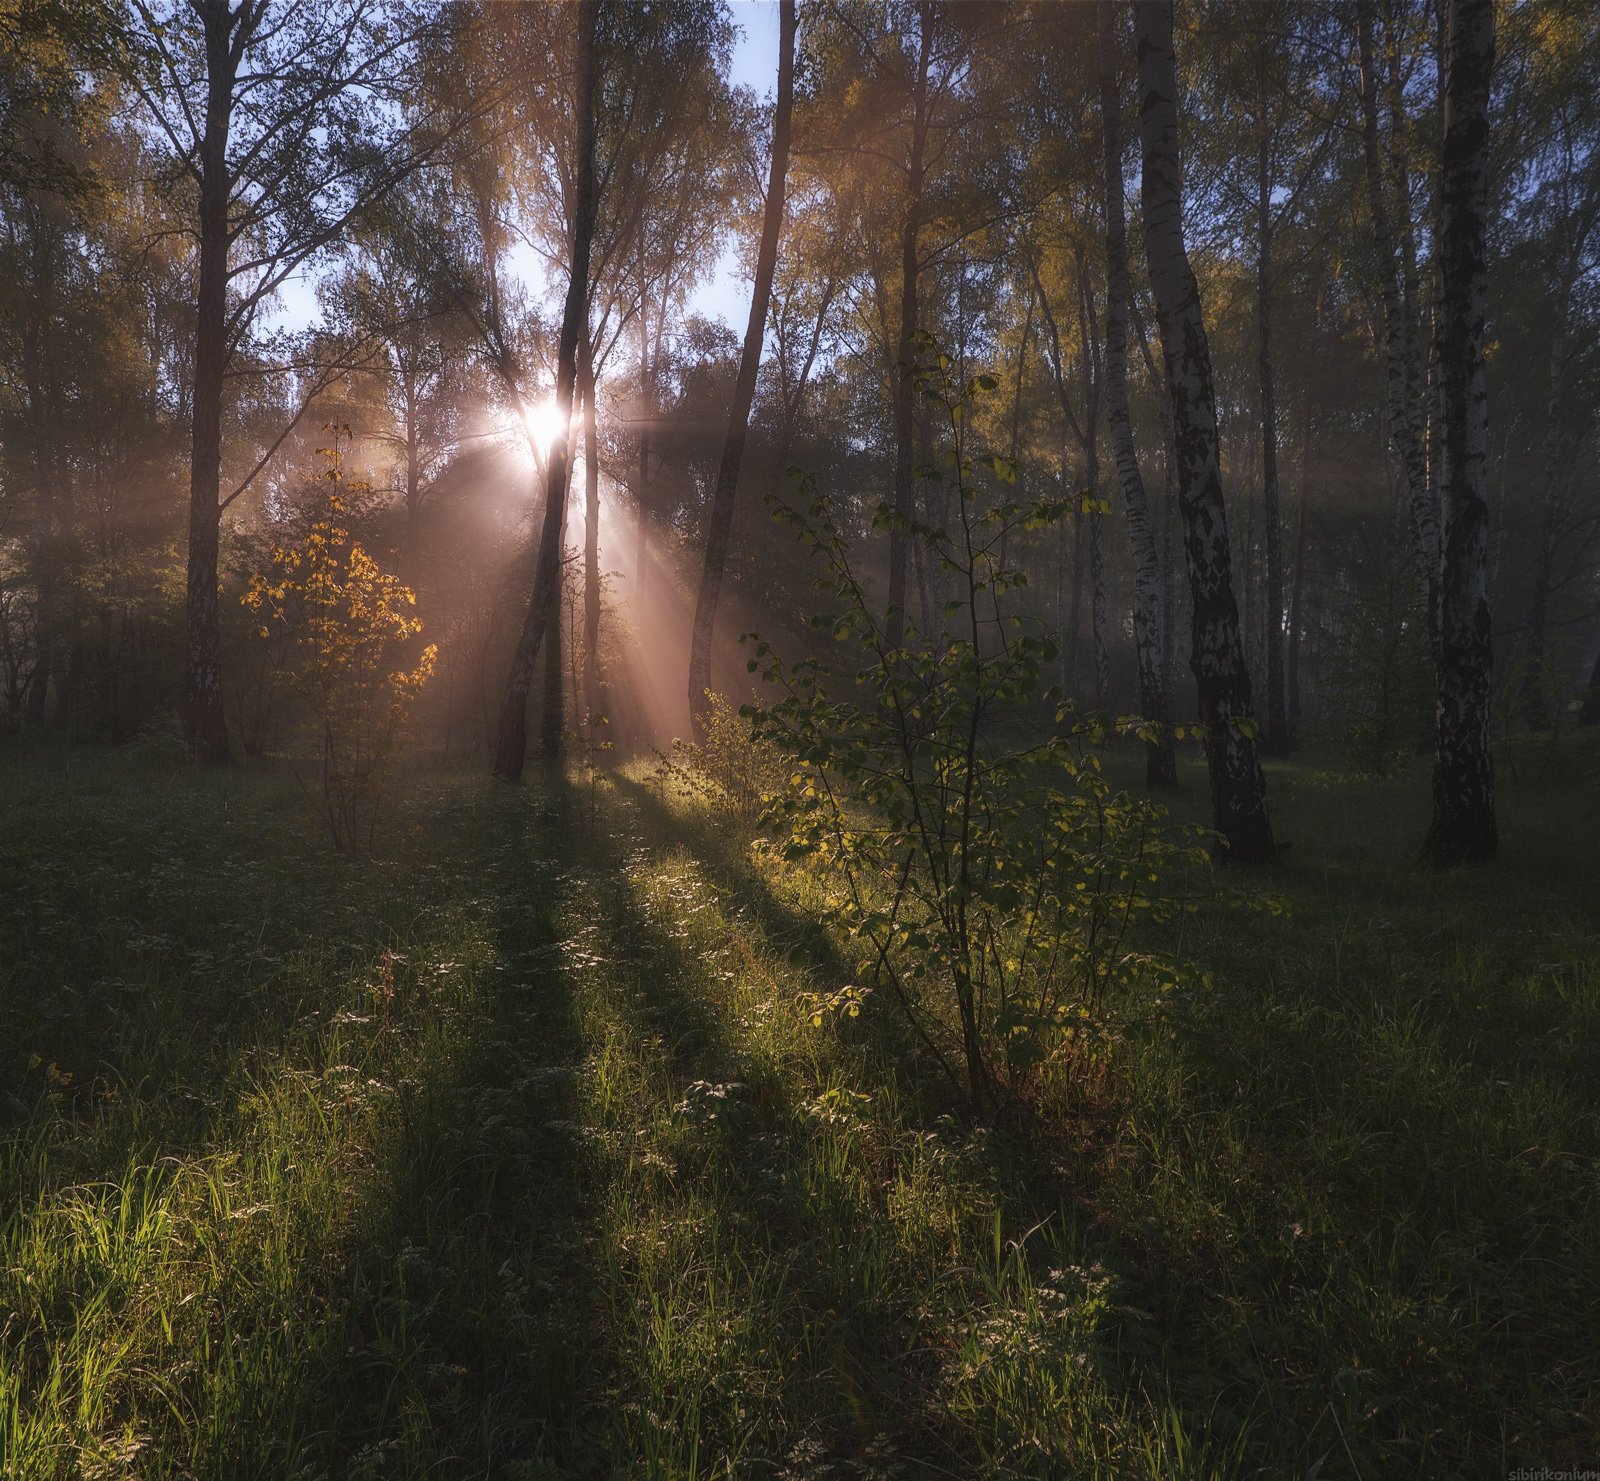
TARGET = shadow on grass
(1363,1150)
(335,1104)
(576,1214)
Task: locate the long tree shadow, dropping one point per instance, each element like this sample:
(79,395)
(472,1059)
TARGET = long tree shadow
(1030,1185)
(721,851)
(464,1321)
(388,1083)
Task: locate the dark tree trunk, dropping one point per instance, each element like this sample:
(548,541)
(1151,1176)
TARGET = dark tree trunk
(1297,612)
(1099,609)
(744,390)
(1074,639)
(512,742)
(38,685)
(1099,606)
(1085,433)
(1064,657)
(1404,414)
(1172,669)
(647,412)
(410,557)
(1277,716)
(1463,829)
(591,539)
(905,367)
(1148,620)
(1238,787)
(553,711)
(205,726)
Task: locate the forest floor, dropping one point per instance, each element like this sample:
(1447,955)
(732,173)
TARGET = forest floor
(513,1152)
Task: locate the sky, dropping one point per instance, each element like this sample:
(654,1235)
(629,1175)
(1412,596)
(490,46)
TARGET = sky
(725,294)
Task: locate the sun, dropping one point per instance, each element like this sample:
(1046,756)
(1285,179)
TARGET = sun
(546,424)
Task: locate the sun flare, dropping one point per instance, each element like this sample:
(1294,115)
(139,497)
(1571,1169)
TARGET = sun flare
(546,424)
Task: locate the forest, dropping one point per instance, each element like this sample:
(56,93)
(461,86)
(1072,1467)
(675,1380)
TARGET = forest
(799,739)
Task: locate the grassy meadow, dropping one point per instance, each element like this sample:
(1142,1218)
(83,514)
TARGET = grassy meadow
(512,1151)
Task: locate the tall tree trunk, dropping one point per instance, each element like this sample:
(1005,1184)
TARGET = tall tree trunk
(919,565)
(591,539)
(1404,413)
(1172,668)
(205,725)
(1238,787)
(1064,657)
(1016,404)
(1085,433)
(1099,613)
(1277,717)
(1297,613)
(744,389)
(553,712)
(905,348)
(647,412)
(511,744)
(1463,829)
(39,683)
(410,560)
(557,633)
(1160,763)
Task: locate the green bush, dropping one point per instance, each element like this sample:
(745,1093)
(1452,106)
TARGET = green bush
(990,875)
(730,769)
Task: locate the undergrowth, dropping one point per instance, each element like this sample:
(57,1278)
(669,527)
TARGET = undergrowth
(516,1151)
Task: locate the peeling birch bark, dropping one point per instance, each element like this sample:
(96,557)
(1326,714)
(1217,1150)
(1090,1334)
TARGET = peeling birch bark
(1238,786)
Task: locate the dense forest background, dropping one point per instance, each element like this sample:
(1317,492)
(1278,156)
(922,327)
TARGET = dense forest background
(851,738)
(407,180)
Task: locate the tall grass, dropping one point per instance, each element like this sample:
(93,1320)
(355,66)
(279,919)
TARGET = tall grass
(513,1151)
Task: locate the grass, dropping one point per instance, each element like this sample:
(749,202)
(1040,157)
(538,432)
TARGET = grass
(512,1152)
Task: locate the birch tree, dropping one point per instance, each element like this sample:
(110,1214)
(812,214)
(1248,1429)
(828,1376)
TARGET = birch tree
(1160,764)
(727,485)
(1463,829)
(1238,787)
(286,121)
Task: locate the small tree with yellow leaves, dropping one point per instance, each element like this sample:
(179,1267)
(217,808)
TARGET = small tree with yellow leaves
(350,621)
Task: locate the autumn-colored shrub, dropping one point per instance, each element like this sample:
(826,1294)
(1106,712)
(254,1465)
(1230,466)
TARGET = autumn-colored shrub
(351,622)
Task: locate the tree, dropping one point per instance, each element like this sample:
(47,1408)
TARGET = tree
(1463,829)
(1557,144)
(1238,787)
(893,98)
(281,117)
(391,304)
(1160,764)
(349,619)
(727,485)
(47,47)
(1398,331)
(512,742)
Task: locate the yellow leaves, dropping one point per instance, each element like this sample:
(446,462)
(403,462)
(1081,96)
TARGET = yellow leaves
(347,617)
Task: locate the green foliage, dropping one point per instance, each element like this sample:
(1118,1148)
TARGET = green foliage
(990,879)
(731,769)
(349,621)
